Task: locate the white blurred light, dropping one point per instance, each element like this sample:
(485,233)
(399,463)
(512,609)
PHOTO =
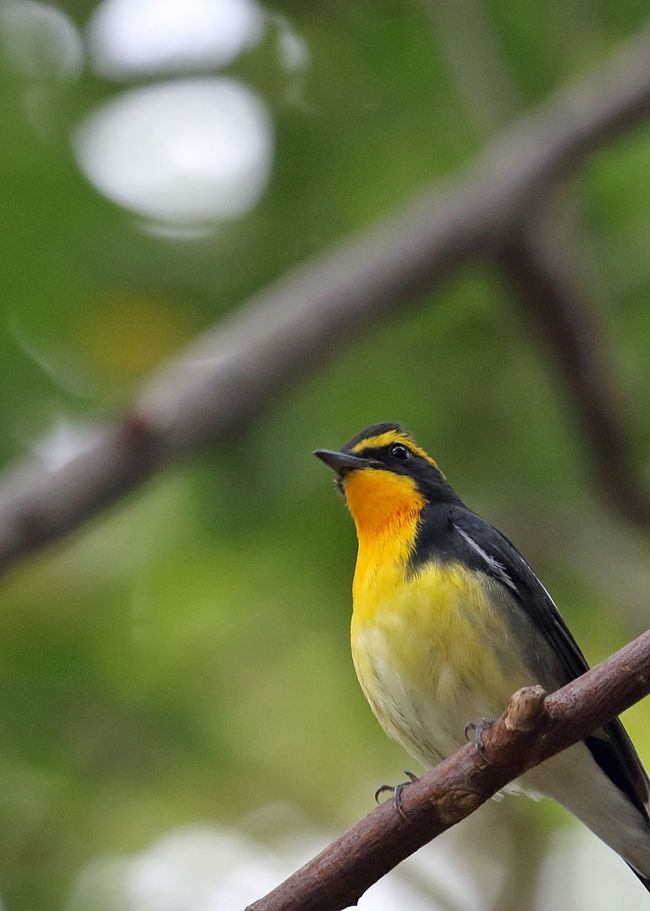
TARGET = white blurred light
(580,872)
(182,152)
(219,869)
(133,37)
(176,232)
(39,40)
(195,868)
(63,442)
(292,49)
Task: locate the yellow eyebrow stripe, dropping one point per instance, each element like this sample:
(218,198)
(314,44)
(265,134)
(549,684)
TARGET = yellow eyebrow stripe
(392,436)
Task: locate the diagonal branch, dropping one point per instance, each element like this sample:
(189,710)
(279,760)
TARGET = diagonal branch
(223,379)
(533,728)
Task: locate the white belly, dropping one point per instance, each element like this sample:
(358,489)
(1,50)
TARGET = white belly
(427,718)
(435,659)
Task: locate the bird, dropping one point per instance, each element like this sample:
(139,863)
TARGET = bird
(449,620)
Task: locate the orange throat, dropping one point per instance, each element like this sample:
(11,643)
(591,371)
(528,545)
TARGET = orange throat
(381,501)
(386,508)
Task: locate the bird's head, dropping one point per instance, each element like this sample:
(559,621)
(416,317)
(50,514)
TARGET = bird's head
(384,476)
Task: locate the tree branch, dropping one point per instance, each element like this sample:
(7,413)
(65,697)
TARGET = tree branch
(533,728)
(541,265)
(223,379)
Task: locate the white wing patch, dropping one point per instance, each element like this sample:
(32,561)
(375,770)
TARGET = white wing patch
(497,569)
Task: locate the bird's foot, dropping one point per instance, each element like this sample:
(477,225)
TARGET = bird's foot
(396,791)
(476,730)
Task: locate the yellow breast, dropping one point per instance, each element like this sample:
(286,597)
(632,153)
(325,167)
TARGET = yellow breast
(431,649)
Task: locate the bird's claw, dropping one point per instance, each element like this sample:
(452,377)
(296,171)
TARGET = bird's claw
(396,791)
(477,730)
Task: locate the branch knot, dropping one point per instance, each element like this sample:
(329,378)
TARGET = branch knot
(525,709)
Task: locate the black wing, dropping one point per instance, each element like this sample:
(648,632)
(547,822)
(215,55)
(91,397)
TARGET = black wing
(484,548)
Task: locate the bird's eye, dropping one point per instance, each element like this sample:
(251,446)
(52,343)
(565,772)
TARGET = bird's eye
(399,453)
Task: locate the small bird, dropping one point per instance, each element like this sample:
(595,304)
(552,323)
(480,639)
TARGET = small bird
(449,620)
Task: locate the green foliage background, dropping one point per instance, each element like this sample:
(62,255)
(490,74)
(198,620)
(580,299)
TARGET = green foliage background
(185,657)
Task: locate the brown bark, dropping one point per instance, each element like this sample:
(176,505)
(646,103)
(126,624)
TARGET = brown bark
(533,728)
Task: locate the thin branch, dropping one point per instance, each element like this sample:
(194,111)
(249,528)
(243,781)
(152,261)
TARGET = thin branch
(223,380)
(529,847)
(476,61)
(533,728)
(541,265)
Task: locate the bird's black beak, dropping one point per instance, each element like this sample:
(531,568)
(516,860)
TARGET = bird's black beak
(341,462)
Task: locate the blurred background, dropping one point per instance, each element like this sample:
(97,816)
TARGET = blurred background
(180,725)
